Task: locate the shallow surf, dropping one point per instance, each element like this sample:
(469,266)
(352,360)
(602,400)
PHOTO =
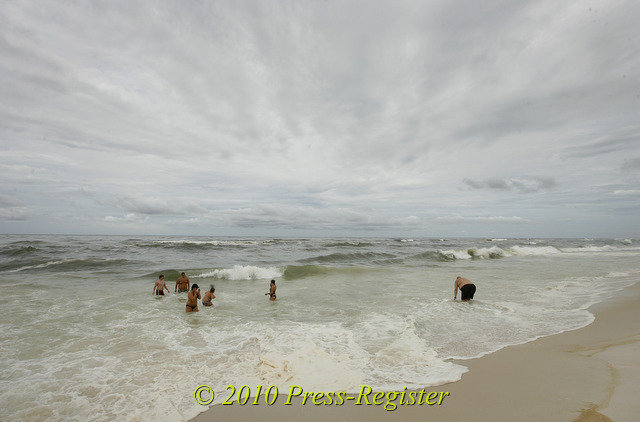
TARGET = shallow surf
(83,335)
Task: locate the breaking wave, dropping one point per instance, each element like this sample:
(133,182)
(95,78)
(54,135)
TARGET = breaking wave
(496,252)
(242,272)
(290,272)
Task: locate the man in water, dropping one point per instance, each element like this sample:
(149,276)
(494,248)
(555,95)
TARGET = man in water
(209,296)
(192,298)
(182,283)
(272,290)
(467,289)
(159,286)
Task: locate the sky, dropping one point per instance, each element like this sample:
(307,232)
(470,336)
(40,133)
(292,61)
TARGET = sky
(321,118)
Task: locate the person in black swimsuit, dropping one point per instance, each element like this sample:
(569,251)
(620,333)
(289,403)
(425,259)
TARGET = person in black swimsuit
(467,289)
(272,290)
(192,298)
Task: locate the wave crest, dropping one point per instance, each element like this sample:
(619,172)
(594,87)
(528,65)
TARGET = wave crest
(242,272)
(494,252)
(476,253)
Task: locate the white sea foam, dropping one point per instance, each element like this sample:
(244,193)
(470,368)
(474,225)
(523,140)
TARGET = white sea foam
(497,252)
(243,272)
(486,253)
(477,253)
(583,292)
(455,254)
(404,346)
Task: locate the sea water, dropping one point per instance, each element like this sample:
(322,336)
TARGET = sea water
(83,338)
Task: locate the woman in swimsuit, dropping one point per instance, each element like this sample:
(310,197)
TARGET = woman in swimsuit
(209,296)
(192,298)
(272,291)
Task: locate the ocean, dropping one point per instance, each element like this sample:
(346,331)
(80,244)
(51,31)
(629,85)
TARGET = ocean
(83,338)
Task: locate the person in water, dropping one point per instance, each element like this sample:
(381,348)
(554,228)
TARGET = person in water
(159,286)
(467,289)
(192,298)
(272,291)
(209,296)
(182,284)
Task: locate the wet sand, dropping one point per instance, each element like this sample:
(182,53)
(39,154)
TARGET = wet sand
(590,374)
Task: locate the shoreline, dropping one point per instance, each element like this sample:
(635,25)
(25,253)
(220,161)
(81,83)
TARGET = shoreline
(588,374)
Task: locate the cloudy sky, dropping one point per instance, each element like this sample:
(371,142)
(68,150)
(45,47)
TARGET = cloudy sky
(287,118)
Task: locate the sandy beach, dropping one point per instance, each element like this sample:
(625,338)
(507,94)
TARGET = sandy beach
(590,374)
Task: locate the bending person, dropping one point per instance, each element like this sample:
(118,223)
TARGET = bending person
(467,289)
(209,296)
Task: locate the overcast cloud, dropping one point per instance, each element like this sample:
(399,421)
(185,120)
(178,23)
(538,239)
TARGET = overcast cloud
(287,118)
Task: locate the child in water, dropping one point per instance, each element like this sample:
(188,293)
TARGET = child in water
(209,296)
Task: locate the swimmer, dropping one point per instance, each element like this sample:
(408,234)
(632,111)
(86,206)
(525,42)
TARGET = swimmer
(272,290)
(209,296)
(192,298)
(159,286)
(467,289)
(182,283)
